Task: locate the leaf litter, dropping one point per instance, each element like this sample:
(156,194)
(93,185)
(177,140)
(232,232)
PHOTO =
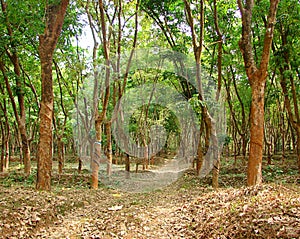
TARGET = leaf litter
(186,209)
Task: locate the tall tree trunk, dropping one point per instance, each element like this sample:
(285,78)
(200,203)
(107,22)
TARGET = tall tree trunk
(20,116)
(210,129)
(54,20)
(100,117)
(197,47)
(257,78)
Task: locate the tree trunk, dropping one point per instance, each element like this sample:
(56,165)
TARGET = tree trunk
(257,79)
(127,166)
(60,154)
(298,149)
(268,146)
(197,48)
(2,167)
(146,154)
(100,117)
(254,173)
(291,105)
(79,169)
(293,139)
(46,115)
(127,163)
(241,130)
(55,16)
(20,116)
(282,130)
(5,130)
(199,158)
(58,126)
(25,149)
(6,155)
(4,164)
(96,154)
(108,148)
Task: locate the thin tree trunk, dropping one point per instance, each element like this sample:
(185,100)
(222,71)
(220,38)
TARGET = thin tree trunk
(2,164)
(20,116)
(210,130)
(127,166)
(298,149)
(108,148)
(5,129)
(220,51)
(282,130)
(6,148)
(199,158)
(96,154)
(60,127)
(242,130)
(292,105)
(79,169)
(146,155)
(100,118)
(268,148)
(60,154)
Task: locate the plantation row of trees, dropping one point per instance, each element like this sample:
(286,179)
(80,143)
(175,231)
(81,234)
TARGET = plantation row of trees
(248,50)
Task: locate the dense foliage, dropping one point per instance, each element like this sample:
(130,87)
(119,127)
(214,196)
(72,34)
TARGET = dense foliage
(116,46)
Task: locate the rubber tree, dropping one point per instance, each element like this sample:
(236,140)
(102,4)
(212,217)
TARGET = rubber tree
(257,75)
(286,61)
(55,14)
(19,106)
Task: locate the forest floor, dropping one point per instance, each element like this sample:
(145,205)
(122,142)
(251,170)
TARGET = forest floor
(187,208)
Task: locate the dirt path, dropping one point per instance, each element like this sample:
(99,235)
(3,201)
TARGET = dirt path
(122,215)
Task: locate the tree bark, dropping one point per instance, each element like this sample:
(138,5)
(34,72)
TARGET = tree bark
(254,174)
(257,78)
(5,129)
(54,20)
